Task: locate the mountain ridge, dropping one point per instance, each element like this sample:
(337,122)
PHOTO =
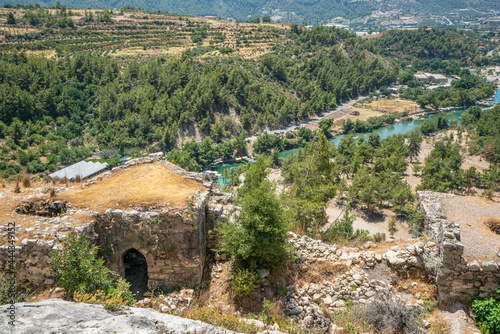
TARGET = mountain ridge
(295,11)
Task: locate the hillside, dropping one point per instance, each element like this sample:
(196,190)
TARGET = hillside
(313,11)
(425,44)
(157,81)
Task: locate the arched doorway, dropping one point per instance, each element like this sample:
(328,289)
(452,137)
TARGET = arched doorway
(136,272)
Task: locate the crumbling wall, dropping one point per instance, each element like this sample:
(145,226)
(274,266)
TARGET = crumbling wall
(32,259)
(32,262)
(220,209)
(41,207)
(458,278)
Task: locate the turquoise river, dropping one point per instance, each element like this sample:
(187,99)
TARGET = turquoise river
(383,132)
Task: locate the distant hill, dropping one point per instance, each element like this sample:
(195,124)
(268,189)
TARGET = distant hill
(313,11)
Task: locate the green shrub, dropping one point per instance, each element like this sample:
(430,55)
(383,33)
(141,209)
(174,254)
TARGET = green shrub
(245,282)
(342,231)
(78,268)
(389,314)
(260,240)
(415,218)
(487,312)
(265,315)
(379,237)
(84,276)
(392,225)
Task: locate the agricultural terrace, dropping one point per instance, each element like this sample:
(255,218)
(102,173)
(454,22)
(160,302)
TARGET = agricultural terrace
(131,35)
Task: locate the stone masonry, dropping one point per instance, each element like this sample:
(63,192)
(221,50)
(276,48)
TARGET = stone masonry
(458,278)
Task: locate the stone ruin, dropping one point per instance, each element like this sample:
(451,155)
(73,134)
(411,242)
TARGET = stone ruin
(151,246)
(459,278)
(42,207)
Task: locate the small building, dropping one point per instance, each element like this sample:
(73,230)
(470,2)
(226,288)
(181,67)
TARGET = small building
(83,169)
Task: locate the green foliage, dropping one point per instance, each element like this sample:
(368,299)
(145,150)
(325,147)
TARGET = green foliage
(10,18)
(244,282)
(433,44)
(392,225)
(486,126)
(85,277)
(487,312)
(260,239)
(112,299)
(463,93)
(310,178)
(415,217)
(342,231)
(265,314)
(442,171)
(369,125)
(325,126)
(414,141)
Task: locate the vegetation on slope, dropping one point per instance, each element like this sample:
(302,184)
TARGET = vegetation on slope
(315,12)
(431,43)
(63,111)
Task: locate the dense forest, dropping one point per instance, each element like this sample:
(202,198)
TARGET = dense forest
(67,108)
(64,109)
(433,44)
(313,11)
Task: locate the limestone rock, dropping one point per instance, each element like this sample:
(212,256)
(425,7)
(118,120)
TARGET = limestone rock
(58,316)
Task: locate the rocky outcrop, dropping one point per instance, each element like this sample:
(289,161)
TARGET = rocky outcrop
(58,316)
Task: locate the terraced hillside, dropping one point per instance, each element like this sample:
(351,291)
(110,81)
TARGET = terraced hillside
(132,35)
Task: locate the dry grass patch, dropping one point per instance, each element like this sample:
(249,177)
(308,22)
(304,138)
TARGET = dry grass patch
(393,105)
(146,185)
(427,290)
(217,318)
(26,182)
(438,324)
(317,272)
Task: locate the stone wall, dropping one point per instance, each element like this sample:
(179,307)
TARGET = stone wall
(220,209)
(458,278)
(32,261)
(171,240)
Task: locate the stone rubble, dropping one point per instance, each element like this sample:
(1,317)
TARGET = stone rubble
(308,304)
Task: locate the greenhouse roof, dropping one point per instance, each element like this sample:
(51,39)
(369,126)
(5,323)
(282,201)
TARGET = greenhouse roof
(83,168)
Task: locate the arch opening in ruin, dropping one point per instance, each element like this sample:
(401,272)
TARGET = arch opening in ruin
(136,272)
